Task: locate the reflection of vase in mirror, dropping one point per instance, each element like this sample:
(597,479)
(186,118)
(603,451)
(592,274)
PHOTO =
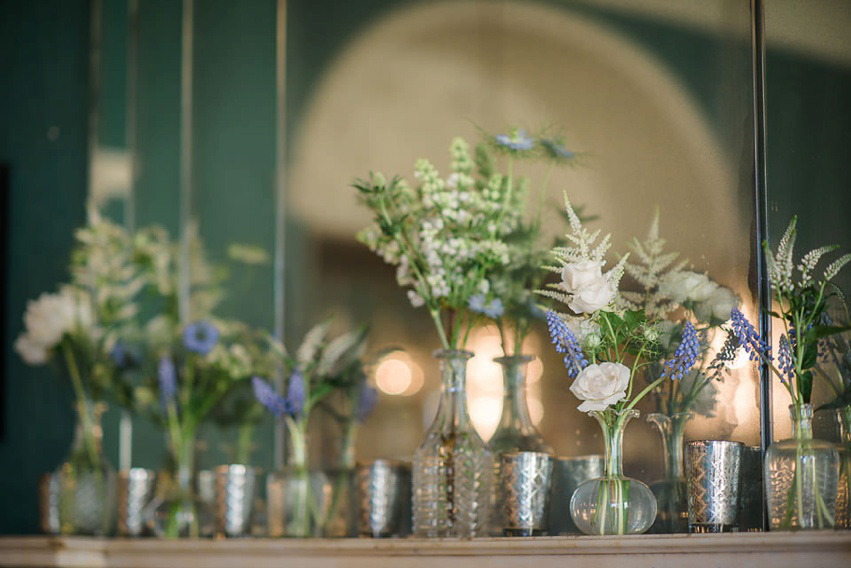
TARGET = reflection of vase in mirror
(452,466)
(843,495)
(670,490)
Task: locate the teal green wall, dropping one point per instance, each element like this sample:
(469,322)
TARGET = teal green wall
(44,83)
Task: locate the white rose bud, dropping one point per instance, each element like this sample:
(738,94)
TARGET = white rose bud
(600,385)
(682,287)
(593,297)
(718,307)
(578,275)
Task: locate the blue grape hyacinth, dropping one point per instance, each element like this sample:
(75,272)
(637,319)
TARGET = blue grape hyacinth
(566,343)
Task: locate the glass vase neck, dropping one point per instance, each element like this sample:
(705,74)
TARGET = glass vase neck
(802,421)
(671,432)
(613,424)
(452,412)
(515,430)
(88,433)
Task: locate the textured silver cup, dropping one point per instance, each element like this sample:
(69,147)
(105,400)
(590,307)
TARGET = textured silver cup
(135,492)
(384,496)
(713,478)
(48,503)
(568,473)
(234,499)
(524,491)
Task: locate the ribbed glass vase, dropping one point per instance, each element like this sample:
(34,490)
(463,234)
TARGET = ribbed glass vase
(801,476)
(613,504)
(452,471)
(843,495)
(86,480)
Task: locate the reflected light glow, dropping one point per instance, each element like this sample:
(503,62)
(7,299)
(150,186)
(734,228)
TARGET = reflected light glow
(398,375)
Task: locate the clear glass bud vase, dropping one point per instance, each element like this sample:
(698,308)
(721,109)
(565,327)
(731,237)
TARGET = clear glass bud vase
(87,481)
(515,431)
(180,512)
(613,504)
(801,476)
(452,472)
(670,491)
(843,495)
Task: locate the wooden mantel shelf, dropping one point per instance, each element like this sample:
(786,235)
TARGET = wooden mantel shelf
(796,550)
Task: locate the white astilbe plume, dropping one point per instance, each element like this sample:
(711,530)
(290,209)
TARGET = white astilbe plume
(582,247)
(780,267)
(782,263)
(834,267)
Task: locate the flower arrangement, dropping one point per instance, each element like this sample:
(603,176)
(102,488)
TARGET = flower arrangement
(461,245)
(319,369)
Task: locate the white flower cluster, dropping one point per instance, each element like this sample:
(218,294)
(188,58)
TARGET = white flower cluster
(49,319)
(445,234)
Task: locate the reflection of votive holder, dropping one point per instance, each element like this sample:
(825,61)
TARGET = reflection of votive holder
(524,491)
(384,496)
(234,499)
(135,492)
(48,503)
(713,477)
(568,473)
(751,504)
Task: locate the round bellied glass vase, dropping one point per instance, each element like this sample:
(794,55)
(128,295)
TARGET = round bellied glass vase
(86,479)
(670,490)
(453,467)
(613,504)
(801,477)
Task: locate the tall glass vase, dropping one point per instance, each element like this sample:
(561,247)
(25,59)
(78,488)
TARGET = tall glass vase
(87,481)
(515,431)
(670,490)
(452,472)
(180,512)
(843,495)
(801,476)
(613,504)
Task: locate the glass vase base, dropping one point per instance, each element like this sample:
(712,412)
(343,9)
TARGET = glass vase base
(523,532)
(613,506)
(181,517)
(711,528)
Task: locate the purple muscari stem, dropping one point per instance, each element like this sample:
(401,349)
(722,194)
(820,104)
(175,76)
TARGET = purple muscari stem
(367,399)
(267,396)
(785,361)
(566,343)
(295,394)
(167,377)
(684,356)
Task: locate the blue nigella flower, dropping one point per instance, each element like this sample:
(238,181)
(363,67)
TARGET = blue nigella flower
(748,338)
(167,378)
(477,303)
(556,149)
(785,362)
(566,343)
(684,356)
(367,399)
(493,309)
(266,395)
(295,393)
(200,337)
(517,140)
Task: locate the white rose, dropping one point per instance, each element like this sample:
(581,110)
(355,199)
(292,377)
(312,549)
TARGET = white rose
(600,385)
(51,316)
(682,287)
(719,306)
(594,296)
(31,352)
(579,275)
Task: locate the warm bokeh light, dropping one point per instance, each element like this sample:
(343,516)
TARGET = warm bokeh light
(398,375)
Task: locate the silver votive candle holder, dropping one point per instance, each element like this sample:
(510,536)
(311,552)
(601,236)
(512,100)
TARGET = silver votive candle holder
(136,488)
(48,503)
(524,493)
(568,474)
(384,498)
(713,479)
(234,499)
